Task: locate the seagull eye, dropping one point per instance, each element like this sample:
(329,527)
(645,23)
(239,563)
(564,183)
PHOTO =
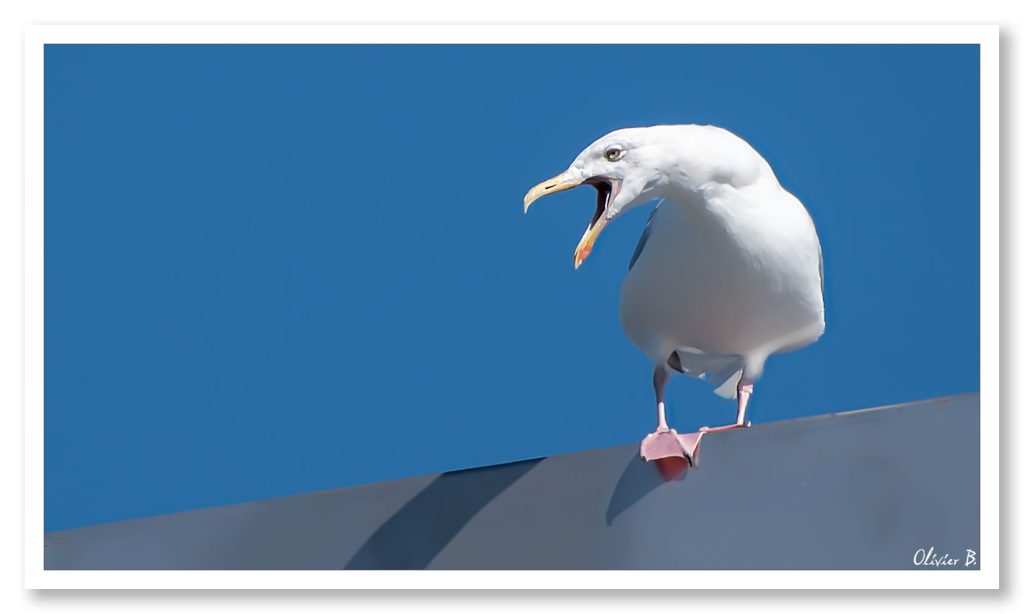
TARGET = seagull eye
(613,153)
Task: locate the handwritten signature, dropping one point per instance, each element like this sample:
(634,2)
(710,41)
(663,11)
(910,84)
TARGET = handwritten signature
(928,558)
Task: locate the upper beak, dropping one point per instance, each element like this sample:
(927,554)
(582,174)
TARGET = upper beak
(559,183)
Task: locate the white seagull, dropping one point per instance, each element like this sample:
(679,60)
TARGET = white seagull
(727,271)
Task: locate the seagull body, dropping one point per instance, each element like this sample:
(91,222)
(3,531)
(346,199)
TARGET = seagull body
(727,272)
(725,275)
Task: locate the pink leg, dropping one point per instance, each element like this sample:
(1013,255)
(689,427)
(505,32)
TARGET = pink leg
(660,379)
(744,389)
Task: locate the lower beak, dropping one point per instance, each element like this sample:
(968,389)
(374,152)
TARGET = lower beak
(558,183)
(589,238)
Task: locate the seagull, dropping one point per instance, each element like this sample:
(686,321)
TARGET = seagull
(727,272)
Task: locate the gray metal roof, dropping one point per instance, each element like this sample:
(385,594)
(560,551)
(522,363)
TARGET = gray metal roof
(855,490)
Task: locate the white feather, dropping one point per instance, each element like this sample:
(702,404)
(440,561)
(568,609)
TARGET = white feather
(730,272)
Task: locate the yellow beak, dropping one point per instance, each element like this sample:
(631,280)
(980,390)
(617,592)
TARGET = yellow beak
(558,183)
(587,242)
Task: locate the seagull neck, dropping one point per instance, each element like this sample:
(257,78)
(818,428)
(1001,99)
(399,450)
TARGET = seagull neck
(696,211)
(690,201)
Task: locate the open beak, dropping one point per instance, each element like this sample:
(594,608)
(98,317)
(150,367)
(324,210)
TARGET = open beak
(606,191)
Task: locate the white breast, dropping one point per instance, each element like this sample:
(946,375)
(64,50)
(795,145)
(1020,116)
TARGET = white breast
(735,272)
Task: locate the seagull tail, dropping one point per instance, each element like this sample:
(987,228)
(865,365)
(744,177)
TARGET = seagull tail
(722,371)
(727,388)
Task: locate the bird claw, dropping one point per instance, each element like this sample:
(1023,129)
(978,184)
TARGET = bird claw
(727,427)
(669,444)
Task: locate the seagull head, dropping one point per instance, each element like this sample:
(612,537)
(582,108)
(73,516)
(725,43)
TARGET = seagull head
(632,166)
(626,167)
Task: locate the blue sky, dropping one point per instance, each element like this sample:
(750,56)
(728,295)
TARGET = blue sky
(277,269)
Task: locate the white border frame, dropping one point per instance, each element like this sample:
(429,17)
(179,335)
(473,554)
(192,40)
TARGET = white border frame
(985,36)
